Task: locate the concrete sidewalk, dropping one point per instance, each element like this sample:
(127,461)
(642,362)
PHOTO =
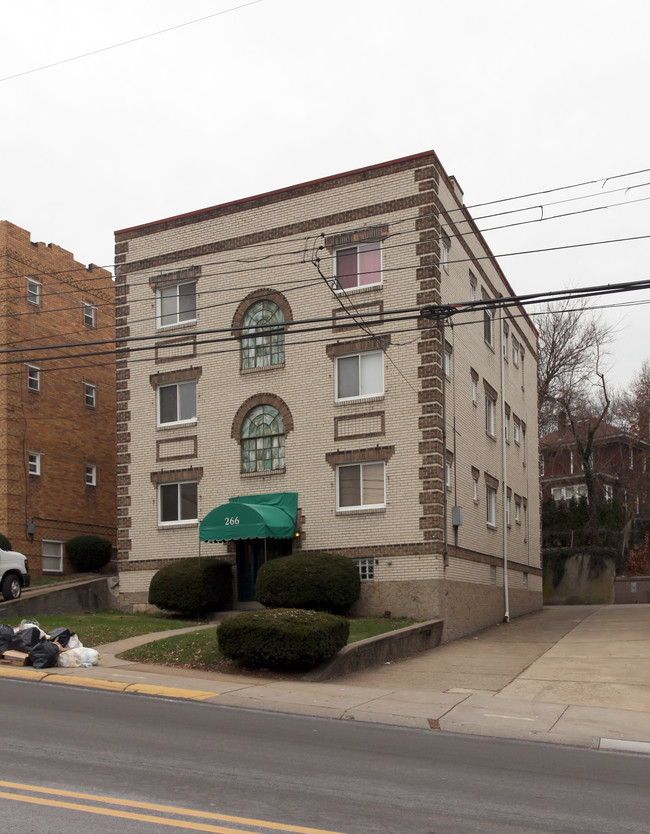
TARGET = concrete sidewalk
(574,675)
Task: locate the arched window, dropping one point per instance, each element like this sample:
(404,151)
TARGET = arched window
(262,440)
(262,341)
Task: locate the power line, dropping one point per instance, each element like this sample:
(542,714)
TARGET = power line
(126,43)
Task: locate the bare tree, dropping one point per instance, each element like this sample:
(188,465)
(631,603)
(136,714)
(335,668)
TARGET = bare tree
(573,343)
(571,384)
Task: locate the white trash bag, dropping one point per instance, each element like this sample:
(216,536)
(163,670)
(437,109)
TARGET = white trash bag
(79,657)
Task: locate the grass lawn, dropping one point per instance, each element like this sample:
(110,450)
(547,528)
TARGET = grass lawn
(199,649)
(107,626)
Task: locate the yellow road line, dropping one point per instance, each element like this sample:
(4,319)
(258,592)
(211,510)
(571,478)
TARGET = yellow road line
(170,691)
(150,806)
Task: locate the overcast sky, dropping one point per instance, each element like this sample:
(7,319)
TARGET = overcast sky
(514,97)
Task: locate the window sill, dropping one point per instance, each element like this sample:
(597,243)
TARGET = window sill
(491,436)
(272,367)
(375,398)
(265,473)
(360,511)
(175,525)
(366,288)
(181,424)
(178,325)
(491,526)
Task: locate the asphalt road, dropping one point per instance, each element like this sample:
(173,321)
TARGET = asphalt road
(78,761)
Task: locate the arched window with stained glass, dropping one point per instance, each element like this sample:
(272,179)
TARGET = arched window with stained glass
(262,343)
(262,440)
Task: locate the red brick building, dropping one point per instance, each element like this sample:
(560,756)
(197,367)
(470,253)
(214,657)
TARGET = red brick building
(57,435)
(619,463)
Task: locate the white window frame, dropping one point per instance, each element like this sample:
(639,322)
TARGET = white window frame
(177,421)
(34,463)
(515,352)
(506,428)
(448,474)
(505,344)
(608,492)
(360,247)
(472,287)
(490,505)
(366,569)
(361,356)
(631,457)
(490,415)
(475,489)
(177,521)
(362,505)
(33,378)
(91,474)
(446,360)
(474,391)
(488,326)
(445,249)
(34,291)
(89,314)
(90,395)
(179,318)
(517,512)
(516,436)
(59,548)
(508,500)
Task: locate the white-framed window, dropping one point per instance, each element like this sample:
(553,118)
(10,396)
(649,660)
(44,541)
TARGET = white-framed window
(176,304)
(177,403)
(34,463)
(359,375)
(33,378)
(474,391)
(357,266)
(506,428)
(474,488)
(51,556)
(360,486)
(515,352)
(178,503)
(91,474)
(524,579)
(490,505)
(516,430)
(448,474)
(571,462)
(517,512)
(33,291)
(541,465)
(505,344)
(608,492)
(490,415)
(566,493)
(447,361)
(631,458)
(488,326)
(89,315)
(366,568)
(508,510)
(472,287)
(445,248)
(90,395)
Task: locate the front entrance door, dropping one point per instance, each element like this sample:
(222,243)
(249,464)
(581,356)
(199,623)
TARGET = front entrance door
(250,557)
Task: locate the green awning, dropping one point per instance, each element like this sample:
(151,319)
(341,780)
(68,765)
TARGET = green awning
(271,516)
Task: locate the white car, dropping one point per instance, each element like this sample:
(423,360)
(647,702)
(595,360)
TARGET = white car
(14,572)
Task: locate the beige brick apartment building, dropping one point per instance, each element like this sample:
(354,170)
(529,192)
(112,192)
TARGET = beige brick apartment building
(57,436)
(282,393)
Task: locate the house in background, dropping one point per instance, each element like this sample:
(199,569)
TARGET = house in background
(292,397)
(57,436)
(619,465)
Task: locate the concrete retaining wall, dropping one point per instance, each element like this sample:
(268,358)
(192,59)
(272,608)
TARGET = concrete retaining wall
(580,585)
(632,589)
(380,649)
(88,595)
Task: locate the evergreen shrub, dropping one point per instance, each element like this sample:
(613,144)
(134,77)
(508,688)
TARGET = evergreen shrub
(88,553)
(282,638)
(192,589)
(5,544)
(314,581)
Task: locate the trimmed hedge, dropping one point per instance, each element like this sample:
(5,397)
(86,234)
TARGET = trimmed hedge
(88,553)
(313,581)
(5,544)
(192,589)
(282,638)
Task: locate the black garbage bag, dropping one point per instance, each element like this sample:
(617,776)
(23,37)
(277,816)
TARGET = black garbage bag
(23,640)
(6,636)
(61,635)
(44,654)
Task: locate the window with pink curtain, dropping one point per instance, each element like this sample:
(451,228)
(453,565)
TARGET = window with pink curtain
(358,266)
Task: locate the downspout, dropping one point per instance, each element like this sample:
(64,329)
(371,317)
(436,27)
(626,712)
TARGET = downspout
(506,603)
(445,548)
